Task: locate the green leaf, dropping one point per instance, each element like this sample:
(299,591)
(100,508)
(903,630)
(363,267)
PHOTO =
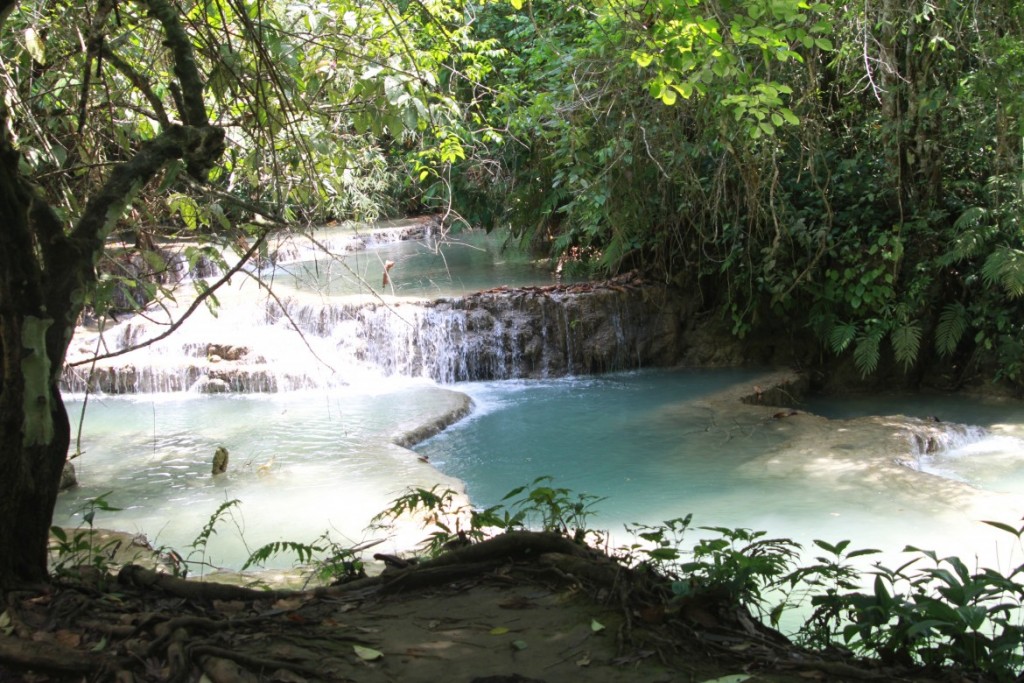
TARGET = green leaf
(643,59)
(866,354)
(906,342)
(367,654)
(951,328)
(841,335)
(1000,525)
(789,116)
(1005,266)
(34,45)
(516,4)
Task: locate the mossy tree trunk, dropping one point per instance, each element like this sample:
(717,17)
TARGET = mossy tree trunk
(46,270)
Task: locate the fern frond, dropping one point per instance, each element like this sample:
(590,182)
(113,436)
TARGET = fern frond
(906,343)
(971,217)
(840,336)
(866,353)
(951,328)
(1005,267)
(970,236)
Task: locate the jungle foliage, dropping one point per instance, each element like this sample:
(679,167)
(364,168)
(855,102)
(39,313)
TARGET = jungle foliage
(852,169)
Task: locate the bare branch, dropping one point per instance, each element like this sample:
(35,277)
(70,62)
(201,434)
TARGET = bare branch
(203,296)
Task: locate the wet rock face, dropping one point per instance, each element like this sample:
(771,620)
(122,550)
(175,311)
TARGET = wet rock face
(536,334)
(528,333)
(531,332)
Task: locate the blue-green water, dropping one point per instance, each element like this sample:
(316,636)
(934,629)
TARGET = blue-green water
(648,443)
(301,463)
(633,439)
(652,450)
(984,412)
(464,263)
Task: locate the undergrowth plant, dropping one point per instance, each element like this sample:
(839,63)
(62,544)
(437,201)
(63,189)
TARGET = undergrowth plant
(556,509)
(739,566)
(453,521)
(81,547)
(328,561)
(197,556)
(941,614)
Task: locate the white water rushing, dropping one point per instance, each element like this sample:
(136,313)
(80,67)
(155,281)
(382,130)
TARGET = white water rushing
(349,371)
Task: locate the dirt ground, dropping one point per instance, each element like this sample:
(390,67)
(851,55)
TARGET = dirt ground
(519,608)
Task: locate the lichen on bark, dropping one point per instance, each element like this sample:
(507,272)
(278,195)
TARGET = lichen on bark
(35,367)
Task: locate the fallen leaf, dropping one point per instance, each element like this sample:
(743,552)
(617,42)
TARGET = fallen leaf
(498,631)
(68,638)
(288,603)
(367,654)
(735,678)
(100,646)
(584,660)
(5,624)
(596,626)
(519,644)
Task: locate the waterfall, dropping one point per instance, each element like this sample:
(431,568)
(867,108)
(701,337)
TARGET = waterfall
(301,341)
(506,334)
(931,445)
(327,323)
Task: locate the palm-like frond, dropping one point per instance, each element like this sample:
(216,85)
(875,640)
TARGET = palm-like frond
(951,328)
(1005,267)
(906,343)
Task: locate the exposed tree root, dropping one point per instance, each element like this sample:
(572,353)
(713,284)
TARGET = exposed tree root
(160,628)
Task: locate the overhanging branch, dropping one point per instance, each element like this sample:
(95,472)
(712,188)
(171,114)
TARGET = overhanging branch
(203,296)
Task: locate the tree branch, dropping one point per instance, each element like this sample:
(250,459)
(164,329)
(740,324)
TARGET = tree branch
(203,296)
(139,81)
(193,108)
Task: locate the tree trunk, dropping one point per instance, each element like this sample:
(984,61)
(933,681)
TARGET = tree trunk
(34,428)
(46,272)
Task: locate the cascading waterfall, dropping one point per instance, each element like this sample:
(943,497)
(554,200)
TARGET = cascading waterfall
(532,332)
(330,382)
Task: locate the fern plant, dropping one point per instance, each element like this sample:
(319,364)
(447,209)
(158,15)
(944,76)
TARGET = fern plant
(1004,267)
(953,323)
